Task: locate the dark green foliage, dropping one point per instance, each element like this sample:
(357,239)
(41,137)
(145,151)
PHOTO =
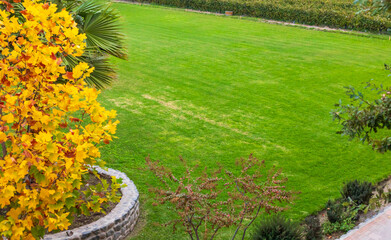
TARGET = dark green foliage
(346,219)
(336,13)
(334,211)
(343,226)
(313,229)
(358,192)
(375,6)
(367,118)
(277,228)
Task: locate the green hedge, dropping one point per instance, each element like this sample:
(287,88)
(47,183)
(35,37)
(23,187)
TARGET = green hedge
(332,13)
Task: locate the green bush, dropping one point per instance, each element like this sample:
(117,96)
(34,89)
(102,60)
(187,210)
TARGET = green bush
(335,13)
(313,229)
(277,228)
(343,226)
(358,192)
(346,219)
(334,211)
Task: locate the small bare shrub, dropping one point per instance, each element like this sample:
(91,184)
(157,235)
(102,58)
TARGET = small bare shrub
(207,201)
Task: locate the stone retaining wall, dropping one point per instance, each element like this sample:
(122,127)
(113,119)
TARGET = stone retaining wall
(114,226)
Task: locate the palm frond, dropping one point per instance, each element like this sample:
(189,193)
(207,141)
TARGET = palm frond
(101,24)
(103,73)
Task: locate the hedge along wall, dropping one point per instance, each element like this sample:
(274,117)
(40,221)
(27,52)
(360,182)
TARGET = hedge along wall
(331,13)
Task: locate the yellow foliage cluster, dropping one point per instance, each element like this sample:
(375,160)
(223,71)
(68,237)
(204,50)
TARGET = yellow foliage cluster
(50,133)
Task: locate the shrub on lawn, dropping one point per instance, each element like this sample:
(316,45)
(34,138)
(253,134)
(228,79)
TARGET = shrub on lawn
(50,133)
(358,192)
(277,228)
(313,229)
(334,211)
(209,201)
(338,14)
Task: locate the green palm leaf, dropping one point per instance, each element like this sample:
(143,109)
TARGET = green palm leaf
(101,24)
(104,32)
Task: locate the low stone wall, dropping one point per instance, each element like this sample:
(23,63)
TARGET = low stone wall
(114,226)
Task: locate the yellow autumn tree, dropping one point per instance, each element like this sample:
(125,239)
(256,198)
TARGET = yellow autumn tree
(50,133)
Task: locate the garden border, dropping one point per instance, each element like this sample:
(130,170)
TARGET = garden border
(117,224)
(274,14)
(368,221)
(264,20)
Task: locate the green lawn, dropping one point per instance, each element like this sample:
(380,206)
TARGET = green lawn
(214,89)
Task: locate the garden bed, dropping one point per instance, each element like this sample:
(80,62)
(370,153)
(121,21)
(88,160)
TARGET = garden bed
(117,224)
(362,217)
(82,220)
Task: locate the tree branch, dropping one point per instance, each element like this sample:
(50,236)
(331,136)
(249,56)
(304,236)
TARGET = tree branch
(190,221)
(191,235)
(4,149)
(244,210)
(199,224)
(3,146)
(248,225)
(214,234)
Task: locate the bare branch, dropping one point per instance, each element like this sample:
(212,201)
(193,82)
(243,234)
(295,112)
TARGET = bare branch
(3,146)
(248,225)
(190,221)
(214,234)
(4,149)
(244,210)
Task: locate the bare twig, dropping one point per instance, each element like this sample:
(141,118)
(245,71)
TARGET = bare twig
(4,149)
(3,146)
(199,224)
(214,234)
(244,210)
(248,225)
(190,221)
(191,235)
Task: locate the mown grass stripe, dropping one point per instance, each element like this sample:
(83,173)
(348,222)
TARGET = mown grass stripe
(214,89)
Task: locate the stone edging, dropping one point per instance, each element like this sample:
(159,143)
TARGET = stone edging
(114,226)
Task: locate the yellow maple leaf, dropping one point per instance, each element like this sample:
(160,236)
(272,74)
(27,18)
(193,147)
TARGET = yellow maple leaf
(3,137)
(9,118)
(44,137)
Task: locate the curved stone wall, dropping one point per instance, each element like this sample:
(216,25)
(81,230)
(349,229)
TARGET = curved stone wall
(114,226)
